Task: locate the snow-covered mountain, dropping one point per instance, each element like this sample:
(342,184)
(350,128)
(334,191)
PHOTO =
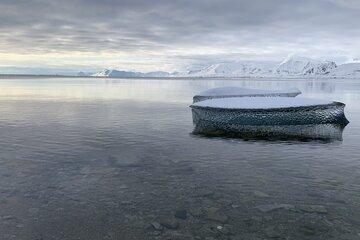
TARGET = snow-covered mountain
(346,70)
(235,69)
(156,74)
(354,60)
(81,74)
(84,74)
(321,69)
(293,66)
(300,66)
(118,74)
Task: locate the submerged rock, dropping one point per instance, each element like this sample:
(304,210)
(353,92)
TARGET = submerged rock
(272,207)
(157,226)
(204,193)
(234,206)
(196,212)
(313,208)
(181,214)
(215,214)
(271,232)
(223,230)
(260,194)
(169,223)
(308,230)
(7,217)
(174,235)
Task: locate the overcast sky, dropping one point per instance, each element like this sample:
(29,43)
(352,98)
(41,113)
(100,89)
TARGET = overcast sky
(147,35)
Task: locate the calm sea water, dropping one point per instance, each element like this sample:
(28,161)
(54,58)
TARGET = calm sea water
(115,159)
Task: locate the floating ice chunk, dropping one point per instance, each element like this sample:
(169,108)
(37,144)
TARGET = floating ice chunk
(229,92)
(260,102)
(260,111)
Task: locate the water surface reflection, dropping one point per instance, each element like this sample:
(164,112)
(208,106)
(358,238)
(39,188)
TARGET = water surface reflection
(113,159)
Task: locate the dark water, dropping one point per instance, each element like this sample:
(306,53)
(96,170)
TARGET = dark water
(115,159)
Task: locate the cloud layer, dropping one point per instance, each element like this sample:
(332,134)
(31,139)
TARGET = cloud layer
(162,34)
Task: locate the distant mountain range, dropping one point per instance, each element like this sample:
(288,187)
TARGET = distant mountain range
(300,66)
(117,73)
(293,66)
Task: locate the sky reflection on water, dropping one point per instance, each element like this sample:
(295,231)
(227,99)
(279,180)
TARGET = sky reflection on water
(104,159)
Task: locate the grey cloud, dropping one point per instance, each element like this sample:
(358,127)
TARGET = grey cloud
(160,26)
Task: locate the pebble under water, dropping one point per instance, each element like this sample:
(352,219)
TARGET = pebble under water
(117,159)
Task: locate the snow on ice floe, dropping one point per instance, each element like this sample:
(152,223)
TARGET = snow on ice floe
(226,92)
(260,103)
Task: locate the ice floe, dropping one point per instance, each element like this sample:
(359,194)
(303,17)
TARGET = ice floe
(251,113)
(260,102)
(229,92)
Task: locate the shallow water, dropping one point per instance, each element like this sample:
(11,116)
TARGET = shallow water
(115,159)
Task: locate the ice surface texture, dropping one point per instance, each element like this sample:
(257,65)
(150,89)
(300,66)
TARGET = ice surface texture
(325,132)
(229,92)
(331,113)
(260,102)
